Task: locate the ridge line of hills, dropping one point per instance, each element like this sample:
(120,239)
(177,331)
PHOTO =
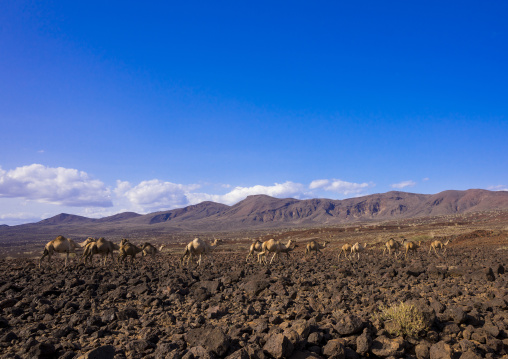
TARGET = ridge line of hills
(265,212)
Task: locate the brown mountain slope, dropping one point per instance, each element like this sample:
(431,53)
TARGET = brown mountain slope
(64,218)
(258,212)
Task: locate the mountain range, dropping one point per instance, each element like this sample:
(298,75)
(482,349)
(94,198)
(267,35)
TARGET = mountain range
(265,212)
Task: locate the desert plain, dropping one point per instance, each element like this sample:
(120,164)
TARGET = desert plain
(428,305)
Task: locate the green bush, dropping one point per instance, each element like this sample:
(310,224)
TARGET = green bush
(402,319)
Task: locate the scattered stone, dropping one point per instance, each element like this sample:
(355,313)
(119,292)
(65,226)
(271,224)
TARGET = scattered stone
(440,350)
(278,346)
(348,325)
(335,349)
(385,347)
(213,339)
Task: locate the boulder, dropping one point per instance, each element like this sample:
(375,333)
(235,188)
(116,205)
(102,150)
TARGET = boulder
(349,324)
(455,314)
(384,347)
(363,342)
(103,352)
(440,350)
(254,287)
(278,346)
(213,339)
(335,349)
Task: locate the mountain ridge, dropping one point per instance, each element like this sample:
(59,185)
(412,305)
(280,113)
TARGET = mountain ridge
(265,212)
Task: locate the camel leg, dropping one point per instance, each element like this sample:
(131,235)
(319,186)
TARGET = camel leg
(44,254)
(251,253)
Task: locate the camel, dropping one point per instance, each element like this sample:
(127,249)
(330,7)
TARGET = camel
(315,246)
(198,247)
(411,246)
(438,245)
(128,249)
(62,245)
(257,246)
(392,245)
(149,250)
(102,247)
(275,247)
(357,248)
(288,249)
(345,248)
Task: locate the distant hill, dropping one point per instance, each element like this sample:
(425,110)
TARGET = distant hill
(265,212)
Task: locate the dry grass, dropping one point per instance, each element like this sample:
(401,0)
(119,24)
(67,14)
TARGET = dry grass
(401,319)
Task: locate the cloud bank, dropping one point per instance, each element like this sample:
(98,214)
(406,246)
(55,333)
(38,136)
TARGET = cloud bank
(61,186)
(403,184)
(339,186)
(73,188)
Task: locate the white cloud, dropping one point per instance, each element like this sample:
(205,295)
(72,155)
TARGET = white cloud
(339,186)
(498,188)
(49,191)
(404,184)
(319,183)
(155,194)
(286,189)
(425,179)
(18,218)
(61,186)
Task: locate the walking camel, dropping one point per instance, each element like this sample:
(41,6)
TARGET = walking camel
(128,249)
(102,247)
(411,247)
(275,247)
(437,244)
(62,245)
(198,247)
(357,248)
(315,246)
(392,245)
(149,250)
(345,248)
(257,246)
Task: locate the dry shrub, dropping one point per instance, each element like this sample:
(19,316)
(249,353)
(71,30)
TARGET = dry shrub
(402,319)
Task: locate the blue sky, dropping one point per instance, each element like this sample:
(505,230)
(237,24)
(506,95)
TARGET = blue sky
(126,106)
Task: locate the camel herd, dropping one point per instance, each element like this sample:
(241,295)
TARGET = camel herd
(197,249)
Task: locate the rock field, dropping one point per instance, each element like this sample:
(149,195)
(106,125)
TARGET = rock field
(302,307)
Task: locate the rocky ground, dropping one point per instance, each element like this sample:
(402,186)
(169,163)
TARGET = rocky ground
(304,307)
